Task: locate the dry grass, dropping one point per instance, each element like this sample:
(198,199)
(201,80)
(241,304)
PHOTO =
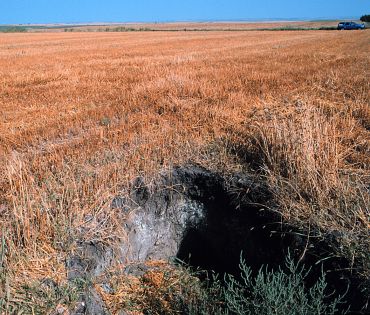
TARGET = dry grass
(82,114)
(307,162)
(162,289)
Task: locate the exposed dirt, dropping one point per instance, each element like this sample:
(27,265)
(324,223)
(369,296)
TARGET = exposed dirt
(206,221)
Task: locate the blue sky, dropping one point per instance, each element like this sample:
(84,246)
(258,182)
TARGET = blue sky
(73,11)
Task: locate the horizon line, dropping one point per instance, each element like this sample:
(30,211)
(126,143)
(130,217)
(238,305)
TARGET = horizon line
(245,20)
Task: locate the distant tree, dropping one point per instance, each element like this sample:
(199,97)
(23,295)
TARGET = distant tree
(365,18)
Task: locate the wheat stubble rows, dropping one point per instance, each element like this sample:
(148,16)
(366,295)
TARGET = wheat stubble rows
(83,114)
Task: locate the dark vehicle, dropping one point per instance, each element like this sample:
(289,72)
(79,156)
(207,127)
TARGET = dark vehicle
(350,26)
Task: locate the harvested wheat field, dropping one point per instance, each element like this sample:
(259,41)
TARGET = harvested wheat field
(85,114)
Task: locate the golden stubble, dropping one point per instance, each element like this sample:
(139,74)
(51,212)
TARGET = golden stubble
(83,114)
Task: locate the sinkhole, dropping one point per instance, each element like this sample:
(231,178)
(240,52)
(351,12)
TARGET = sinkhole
(208,221)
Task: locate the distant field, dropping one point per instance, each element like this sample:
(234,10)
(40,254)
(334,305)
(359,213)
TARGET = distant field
(83,114)
(215,26)
(178,26)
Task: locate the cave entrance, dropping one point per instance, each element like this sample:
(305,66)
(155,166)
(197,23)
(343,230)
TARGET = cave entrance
(227,232)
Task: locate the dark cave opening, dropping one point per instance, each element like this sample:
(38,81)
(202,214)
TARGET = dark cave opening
(231,229)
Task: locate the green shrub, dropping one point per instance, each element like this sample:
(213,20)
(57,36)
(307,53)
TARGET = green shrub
(280,292)
(277,292)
